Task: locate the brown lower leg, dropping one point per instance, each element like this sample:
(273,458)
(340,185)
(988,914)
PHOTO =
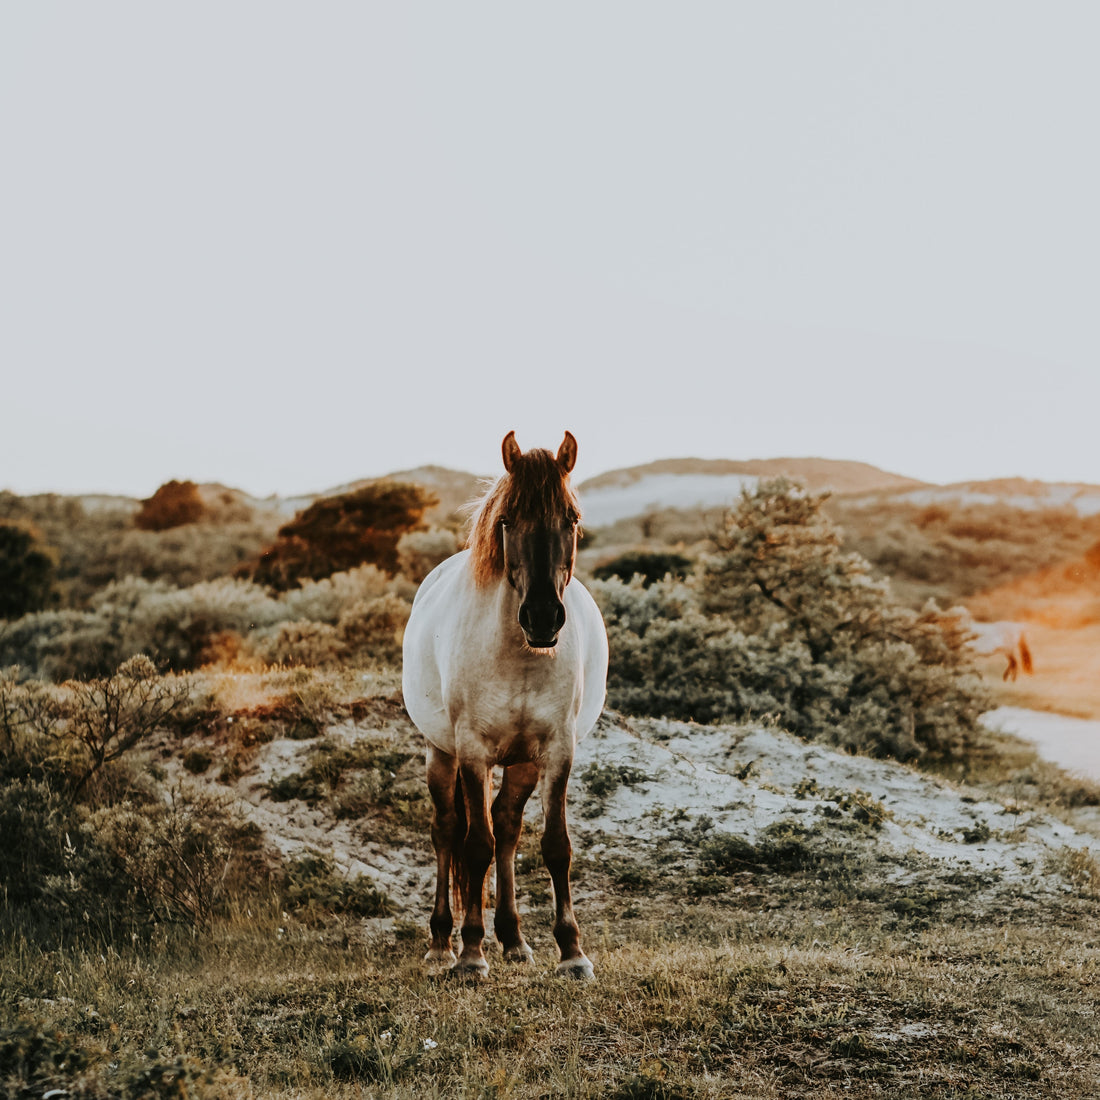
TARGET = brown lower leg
(558,852)
(478,856)
(442,769)
(519,782)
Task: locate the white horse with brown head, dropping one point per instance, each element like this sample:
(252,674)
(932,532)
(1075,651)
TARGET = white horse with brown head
(505,664)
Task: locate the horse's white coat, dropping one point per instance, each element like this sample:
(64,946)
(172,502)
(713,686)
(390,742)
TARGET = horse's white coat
(1004,637)
(1000,637)
(472,685)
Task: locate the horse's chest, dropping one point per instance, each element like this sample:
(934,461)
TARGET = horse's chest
(517,716)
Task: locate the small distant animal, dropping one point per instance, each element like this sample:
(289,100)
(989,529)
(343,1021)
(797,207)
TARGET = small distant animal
(1006,638)
(506,665)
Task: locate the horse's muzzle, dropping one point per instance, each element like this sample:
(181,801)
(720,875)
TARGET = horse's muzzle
(541,622)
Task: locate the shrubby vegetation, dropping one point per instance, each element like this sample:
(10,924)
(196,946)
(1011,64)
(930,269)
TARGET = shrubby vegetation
(780,621)
(174,504)
(342,532)
(354,616)
(27,571)
(105,851)
(92,846)
(777,619)
(951,552)
(96,545)
(650,565)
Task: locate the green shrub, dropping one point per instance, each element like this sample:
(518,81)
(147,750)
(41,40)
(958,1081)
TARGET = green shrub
(34,1057)
(419,552)
(352,617)
(109,715)
(602,780)
(69,870)
(650,565)
(27,571)
(354,779)
(175,858)
(784,623)
(311,883)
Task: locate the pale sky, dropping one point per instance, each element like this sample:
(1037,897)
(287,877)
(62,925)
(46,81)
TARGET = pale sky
(284,246)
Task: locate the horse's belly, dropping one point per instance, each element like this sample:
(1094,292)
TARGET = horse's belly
(421,678)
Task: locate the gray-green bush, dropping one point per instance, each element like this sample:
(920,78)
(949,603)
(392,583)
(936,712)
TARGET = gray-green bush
(357,616)
(779,621)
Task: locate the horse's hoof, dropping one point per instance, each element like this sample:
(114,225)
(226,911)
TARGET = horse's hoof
(521,953)
(440,957)
(579,969)
(474,970)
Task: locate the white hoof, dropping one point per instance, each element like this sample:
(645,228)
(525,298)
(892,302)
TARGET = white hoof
(471,969)
(440,958)
(580,969)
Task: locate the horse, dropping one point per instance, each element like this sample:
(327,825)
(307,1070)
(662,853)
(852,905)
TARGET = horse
(505,664)
(1006,638)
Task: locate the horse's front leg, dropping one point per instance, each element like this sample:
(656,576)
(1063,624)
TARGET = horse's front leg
(477,854)
(519,781)
(558,853)
(442,773)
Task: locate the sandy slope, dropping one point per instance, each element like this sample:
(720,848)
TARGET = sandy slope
(740,779)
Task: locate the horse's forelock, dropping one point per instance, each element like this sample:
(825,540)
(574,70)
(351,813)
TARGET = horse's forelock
(536,490)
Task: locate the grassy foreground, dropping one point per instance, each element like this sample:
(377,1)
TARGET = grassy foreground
(785,986)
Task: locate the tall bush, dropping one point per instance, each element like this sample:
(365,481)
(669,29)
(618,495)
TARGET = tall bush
(27,571)
(174,504)
(341,532)
(781,621)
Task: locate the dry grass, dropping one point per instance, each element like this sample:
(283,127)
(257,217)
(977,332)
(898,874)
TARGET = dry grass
(784,995)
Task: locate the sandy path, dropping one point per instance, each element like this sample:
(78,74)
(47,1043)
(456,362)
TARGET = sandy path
(1071,743)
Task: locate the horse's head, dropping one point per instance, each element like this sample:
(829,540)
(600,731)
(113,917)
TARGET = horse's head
(536,519)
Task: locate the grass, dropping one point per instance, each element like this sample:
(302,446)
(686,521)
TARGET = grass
(693,999)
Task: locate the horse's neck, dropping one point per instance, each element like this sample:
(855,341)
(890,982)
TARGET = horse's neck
(495,613)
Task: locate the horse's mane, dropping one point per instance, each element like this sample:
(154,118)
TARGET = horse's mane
(535,490)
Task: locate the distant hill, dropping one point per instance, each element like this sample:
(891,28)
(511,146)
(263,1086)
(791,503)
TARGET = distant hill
(816,473)
(676,484)
(453,488)
(686,484)
(1013,492)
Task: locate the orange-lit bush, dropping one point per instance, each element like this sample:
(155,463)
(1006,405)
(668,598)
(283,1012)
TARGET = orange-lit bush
(342,532)
(174,504)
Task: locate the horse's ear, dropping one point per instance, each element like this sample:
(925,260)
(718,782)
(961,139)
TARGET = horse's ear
(510,450)
(567,453)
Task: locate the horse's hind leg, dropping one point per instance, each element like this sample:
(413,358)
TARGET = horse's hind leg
(1010,672)
(478,854)
(442,773)
(558,853)
(519,781)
